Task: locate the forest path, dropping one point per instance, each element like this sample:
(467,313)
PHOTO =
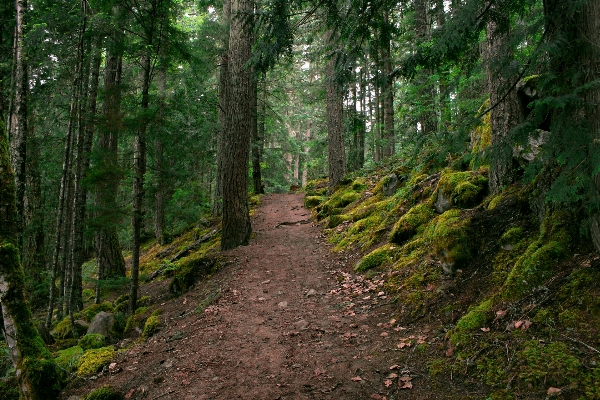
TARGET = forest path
(287,322)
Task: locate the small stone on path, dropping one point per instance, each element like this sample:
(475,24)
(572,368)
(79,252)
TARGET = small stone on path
(302,325)
(283,304)
(311,292)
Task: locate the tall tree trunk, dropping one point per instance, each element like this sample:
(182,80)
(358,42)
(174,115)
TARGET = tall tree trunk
(258,142)
(363,118)
(427,117)
(236,219)
(34,252)
(223,107)
(160,189)
(505,116)
(387,89)
(18,131)
(139,165)
(107,215)
(36,371)
(335,120)
(256,138)
(590,62)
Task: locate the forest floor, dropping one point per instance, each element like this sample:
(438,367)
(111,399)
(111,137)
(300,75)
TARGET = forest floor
(284,318)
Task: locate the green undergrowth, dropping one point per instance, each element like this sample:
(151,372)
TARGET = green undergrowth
(105,392)
(514,287)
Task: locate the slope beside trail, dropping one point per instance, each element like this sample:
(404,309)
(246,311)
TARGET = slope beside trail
(288,321)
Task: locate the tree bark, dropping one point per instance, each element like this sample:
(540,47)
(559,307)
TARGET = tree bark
(160,190)
(223,107)
(255,137)
(236,219)
(37,373)
(107,215)
(18,131)
(335,123)
(505,116)
(387,89)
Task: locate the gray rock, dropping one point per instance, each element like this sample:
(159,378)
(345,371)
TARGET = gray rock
(390,187)
(442,204)
(311,292)
(102,324)
(283,304)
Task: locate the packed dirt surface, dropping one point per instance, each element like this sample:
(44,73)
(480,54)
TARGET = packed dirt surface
(288,320)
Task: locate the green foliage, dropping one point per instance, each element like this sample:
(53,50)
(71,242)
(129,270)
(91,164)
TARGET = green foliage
(105,392)
(191,270)
(9,389)
(463,189)
(92,341)
(90,312)
(68,358)
(94,359)
(449,237)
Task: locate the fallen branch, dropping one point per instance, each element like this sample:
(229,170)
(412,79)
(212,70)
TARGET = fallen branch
(580,342)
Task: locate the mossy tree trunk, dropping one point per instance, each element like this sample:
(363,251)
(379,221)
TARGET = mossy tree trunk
(505,114)
(37,373)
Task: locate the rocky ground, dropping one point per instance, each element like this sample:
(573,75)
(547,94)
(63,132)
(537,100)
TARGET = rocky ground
(284,318)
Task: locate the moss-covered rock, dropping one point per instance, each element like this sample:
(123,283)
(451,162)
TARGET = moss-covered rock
(93,360)
(191,270)
(68,358)
(374,259)
(317,187)
(105,392)
(408,225)
(475,318)
(92,341)
(313,201)
(448,236)
(336,220)
(151,326)
(461,189)
(63,329)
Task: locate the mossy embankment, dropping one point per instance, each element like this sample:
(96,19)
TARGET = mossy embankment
(514,296)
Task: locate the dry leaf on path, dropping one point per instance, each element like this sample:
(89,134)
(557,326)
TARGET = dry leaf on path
(395,366)
(485,329)
(392,376)
(553,390)
(407,385)
(357,379)
(387,383)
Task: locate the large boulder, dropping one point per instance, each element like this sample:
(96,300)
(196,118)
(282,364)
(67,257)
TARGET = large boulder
(103,324)
(390,185)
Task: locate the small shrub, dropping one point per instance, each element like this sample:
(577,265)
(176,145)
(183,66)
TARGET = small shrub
(104,393)
(151,326)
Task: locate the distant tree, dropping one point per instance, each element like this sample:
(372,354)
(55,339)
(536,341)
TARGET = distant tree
(335,117)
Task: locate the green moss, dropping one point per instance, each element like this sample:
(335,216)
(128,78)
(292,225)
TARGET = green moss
(144,301)
(448,236)
(317,187)
(363,232)
(475,318)
(140,310)
(93,360)
(481,138)
(512,236)
(313,201)
(9,389)
(541,257)
(92,341)
(374,259)
(546,365)
(68,358)
(191,270)
(336,220)
(151,326)
(463,189)
(409,223)
(340,199)
(358,185)
(104,393)
(90,312)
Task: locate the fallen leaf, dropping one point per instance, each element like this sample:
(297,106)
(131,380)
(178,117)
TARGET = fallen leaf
(449,351)
(407,385)
(129,394)
(392,321)
(376,396)
(395,366)
(485,329)
(526,325)
(553,390)
(401,345)
(430,287)
(384,334)
(356,379)
(185,383)
(381,294)
(500,314)
(405,378)
(518,324)
(387,383)
(392,376)
(185,300)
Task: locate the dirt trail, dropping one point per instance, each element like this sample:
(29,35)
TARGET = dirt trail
(289,323)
